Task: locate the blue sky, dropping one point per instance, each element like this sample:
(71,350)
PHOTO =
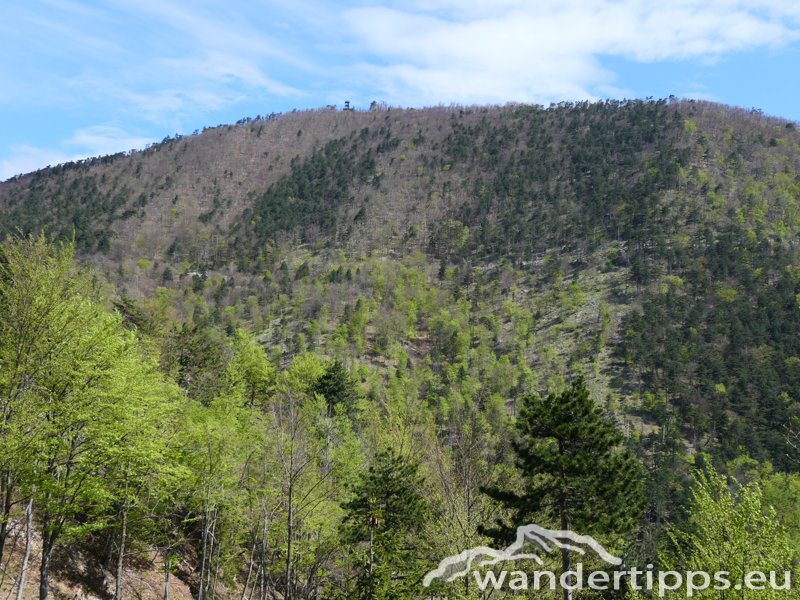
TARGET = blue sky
(85,78)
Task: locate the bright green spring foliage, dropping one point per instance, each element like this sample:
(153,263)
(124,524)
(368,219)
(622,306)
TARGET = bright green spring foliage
(83,409)
(262,465)
(730,529)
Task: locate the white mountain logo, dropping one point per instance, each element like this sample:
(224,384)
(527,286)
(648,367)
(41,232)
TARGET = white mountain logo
(459,565)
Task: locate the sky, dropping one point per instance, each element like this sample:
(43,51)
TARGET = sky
(88,78)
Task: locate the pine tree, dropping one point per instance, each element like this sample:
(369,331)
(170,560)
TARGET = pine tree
(577,475)
(339,389)
(386,512)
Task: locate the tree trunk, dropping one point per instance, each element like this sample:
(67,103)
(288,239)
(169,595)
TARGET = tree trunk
(263,558)
(566,564)
(108,558)
(262,583)
(289,534)
(167,565)
(48,542)
(216,574)
(200,592)
(121,557)
(212,549)
(250,567)
(28,527)
(6,489)
(372,552)
(290,511)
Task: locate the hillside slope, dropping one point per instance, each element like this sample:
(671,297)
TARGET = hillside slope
(653,241)
(411,276)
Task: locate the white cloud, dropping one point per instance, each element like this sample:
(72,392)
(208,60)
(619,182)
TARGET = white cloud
(219,36)
(214,29)
(168,106)
(25,159)
(158,59)
(224,67)
(432,51)
(97,140)
(208,58)
(104,139)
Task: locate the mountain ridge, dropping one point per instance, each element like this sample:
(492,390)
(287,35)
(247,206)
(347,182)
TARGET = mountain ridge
(569,220)
(409,279)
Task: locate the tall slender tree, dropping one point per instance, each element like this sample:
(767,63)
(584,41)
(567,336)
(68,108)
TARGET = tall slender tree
(37,282)
(577,474)
(386,512)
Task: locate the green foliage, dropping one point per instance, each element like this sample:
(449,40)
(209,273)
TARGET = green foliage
(339,389)
(730,531)
(743,342)
(311,195)
(457,261)
(68,207)
(250,370)
(780,492)
(576,474)
(82,404)
(197,358)
(388,508)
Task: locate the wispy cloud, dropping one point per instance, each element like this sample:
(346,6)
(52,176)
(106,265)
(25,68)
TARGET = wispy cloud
(166,66)
(134,50)
(24,159)
(104,139)
(97,140)
(222,67)
(217,44)
(443,50)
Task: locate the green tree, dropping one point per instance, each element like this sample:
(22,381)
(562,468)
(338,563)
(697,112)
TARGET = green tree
(37,284)
(780,492)
(577,475)
(215,452)
(386,512)
(730,528)
(140,473)
(313,457)
(250,370)
(87,426)
(339,389)
(84,409)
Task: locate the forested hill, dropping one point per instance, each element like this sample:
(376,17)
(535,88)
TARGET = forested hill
(439,265)
(665,231)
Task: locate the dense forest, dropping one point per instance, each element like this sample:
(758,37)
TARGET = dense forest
(311,355)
